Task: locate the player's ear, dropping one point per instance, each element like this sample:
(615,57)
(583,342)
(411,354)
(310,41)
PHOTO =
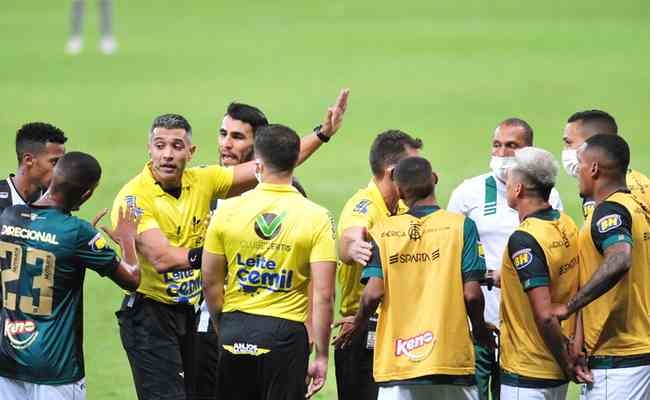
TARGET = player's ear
(594,171)
(192,150)
(434,177)
(27,160)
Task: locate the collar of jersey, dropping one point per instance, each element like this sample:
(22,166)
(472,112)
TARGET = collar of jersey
(422,211)
(146,172)
(547,214)
(271,187)
(378,199)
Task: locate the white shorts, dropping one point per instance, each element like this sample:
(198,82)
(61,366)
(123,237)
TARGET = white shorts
(618,383)
(519,393)
(11,389)
(427,392)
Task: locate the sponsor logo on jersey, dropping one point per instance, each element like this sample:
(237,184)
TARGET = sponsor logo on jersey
(393,234)
(362,207)
(183,285)
(415,231)
(414,257)
(522,258)
(30,234)
(21,334)
(416,348)
(97,243)
(245,348)
(567,267)
(609,222)
(267,226)
(31,216)
(4,195)
(258,272)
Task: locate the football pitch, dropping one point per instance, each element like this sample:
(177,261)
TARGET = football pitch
(446,72)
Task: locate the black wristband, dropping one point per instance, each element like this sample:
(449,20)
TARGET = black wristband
(194,257)
(323,137)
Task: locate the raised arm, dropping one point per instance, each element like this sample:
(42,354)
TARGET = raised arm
(244,174)
(127,273)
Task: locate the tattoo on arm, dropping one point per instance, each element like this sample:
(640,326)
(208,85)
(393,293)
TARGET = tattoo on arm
(610,272)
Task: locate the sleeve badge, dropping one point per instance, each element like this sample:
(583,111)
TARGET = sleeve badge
(97,243)
(522,258)
(609,222)
(362,207)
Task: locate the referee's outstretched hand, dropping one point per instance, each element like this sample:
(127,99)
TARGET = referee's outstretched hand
(316,375)
(334,115)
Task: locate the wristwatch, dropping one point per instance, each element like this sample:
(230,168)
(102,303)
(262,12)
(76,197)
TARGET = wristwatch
(323,137)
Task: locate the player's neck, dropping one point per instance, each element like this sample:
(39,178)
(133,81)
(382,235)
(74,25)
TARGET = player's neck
(25,187)
(527,207)
(277,179)
(608,188)
(426,202)
(388,194)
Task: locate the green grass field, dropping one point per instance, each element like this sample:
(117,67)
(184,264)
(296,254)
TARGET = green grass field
(444,71)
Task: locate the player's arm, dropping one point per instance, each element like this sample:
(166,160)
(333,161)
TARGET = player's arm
(473,272)
(354,246)
(155,247)
(611,231)
(213,271)
(244,174)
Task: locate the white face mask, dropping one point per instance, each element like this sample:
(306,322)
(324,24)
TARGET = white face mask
(258,171)
(500,166)
(570,162)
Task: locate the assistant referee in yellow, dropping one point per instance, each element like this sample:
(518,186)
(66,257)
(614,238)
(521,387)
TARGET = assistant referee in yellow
(157,322)
(270,242)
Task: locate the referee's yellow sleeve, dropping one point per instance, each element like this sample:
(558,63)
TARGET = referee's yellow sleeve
(213,239)
(143,207)
(220,180)
(324,245)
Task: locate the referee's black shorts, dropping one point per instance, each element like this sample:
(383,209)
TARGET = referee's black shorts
(277,374)
(353,364)
(159,342)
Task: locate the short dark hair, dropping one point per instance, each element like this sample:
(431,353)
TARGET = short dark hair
(389,148)
(520,123)
(413,176)
(614,147)
(75,173)
(595,122)
(278,146)
(171,121)
(34,136)
(247,113)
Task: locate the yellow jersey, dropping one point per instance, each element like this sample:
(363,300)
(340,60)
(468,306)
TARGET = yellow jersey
(269,236)
(182,220)
(616,324)
(638,184)
(543,251)
(364,209)
(424,257)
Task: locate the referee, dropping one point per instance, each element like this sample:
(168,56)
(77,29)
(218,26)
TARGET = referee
(157,322)
(270,242)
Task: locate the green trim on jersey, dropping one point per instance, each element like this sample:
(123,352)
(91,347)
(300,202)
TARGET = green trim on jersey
(490,206)
(516,380)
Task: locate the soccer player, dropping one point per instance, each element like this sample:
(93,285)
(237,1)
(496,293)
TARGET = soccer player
(540,267)
(44,253)
(354,378)
(483,199)
(425,271)
(107,45)
(174,202)
(271,242)
(580,127)
(614,293)
(38,147)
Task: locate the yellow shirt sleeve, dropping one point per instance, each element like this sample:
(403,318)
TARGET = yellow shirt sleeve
(353,216)
(218,178)
(324,245)
(213,237)
(144,207)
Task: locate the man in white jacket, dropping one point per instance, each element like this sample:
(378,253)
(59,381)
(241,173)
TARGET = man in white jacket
(483,199)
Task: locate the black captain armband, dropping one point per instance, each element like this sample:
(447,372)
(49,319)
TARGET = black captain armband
(194,257)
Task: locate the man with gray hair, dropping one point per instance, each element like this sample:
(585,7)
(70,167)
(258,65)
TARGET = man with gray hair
(540,267)
(483,199)
(158,320)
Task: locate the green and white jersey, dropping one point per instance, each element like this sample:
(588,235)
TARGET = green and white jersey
(44,254)
(483,199)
